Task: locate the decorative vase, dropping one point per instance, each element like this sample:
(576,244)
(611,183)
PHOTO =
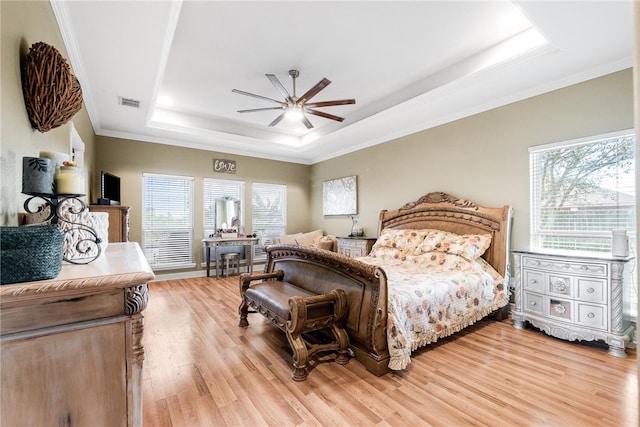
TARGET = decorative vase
(356,230)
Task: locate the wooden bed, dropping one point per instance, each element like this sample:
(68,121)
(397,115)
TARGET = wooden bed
(366,285)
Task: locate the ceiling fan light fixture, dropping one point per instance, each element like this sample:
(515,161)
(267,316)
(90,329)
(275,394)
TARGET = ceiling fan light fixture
(294,112)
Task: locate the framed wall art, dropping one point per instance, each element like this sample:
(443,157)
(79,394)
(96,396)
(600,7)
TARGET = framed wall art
(340,196)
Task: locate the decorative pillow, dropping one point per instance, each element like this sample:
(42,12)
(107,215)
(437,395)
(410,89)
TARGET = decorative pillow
(470,246)
(385,253)
(325,242)
(289,239)
(310,238)
(406,240)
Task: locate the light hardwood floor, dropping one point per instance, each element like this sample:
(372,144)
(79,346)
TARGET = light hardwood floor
(201,369)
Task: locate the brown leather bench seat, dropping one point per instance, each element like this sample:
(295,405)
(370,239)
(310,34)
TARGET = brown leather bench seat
(297,311)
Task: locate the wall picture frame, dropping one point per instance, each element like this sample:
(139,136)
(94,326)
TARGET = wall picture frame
(340,196)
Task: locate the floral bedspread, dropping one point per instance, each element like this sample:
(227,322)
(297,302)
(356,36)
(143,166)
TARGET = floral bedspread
(431,296)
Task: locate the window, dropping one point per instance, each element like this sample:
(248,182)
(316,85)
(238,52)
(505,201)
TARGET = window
(215,190)
(581,191)
(167,221)
(269,206)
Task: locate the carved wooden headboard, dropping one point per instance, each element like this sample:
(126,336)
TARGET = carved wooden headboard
(443,211)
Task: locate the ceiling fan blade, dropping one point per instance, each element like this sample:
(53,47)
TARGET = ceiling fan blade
(325,115)
(260,109)
(330,103)
(274,81)
(314,90)
(253,95)
(277,120)
(306,122)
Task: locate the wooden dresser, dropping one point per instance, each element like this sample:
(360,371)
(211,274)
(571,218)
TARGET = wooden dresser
(71,347)
(355,247)
(118,221)
(573,296)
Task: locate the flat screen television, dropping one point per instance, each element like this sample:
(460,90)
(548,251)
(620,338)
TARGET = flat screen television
(109,189)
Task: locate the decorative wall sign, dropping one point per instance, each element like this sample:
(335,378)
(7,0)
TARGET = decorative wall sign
(224,166)
(340,196)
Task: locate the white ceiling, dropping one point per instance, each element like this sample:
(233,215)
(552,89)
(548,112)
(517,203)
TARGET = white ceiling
(409,65)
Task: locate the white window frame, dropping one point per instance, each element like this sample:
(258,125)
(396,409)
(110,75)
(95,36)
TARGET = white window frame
(275,226)
(623,188)
(537,231)
(168,246)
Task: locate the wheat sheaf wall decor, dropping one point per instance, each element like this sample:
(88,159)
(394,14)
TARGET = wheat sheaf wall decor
(52,94)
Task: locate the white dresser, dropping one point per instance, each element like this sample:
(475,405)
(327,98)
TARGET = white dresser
(355,247)
(573,296)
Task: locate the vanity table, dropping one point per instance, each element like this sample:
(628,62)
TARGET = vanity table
(71,347)
(217,242)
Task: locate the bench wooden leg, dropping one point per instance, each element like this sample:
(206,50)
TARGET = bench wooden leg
(300,355)
(300,322)
(342,358)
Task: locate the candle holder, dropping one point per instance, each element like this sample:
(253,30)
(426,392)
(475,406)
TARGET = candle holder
(64,210)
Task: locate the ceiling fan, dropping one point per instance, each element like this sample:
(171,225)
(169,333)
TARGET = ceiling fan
(294,106)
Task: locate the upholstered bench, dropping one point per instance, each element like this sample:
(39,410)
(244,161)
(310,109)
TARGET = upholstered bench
(297,311)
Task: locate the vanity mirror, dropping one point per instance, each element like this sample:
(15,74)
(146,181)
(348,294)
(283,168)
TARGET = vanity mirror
(228,214)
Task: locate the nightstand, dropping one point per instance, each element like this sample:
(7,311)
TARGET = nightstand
(355,247)
(573,296)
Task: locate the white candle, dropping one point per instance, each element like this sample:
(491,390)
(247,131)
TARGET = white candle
(58,158)
(69,181)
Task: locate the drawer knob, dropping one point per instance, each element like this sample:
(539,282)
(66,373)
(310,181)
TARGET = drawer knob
(591,315)
(559,308)
(533,281)
(559,285)
(533,303)
(591,290)
(585,268)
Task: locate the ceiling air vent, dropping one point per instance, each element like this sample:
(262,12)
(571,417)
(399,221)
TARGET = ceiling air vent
(129,102)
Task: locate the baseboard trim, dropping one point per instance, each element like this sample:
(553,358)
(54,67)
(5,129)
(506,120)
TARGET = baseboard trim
(197,273)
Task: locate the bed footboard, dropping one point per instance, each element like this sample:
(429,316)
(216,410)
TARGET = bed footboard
(365,286)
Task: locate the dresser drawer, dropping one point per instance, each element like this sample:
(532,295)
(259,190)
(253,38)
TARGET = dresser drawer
(534,303)
(591,315)
(560,309)
(566,267)
(534,280)
(559,285)
(592,290)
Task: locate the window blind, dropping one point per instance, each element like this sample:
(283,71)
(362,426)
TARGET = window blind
(269,219)
(167,221)
(216,189)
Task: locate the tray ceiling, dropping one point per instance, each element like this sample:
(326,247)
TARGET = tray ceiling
(409,65)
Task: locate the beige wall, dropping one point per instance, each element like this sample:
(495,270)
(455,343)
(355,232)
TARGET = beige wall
(483,158)
(130,159)
(23,24)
